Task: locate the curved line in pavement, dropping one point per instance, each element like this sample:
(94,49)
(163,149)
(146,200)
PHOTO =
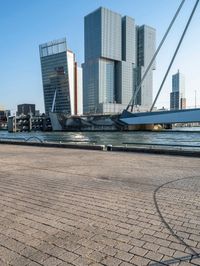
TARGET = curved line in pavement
(163,219)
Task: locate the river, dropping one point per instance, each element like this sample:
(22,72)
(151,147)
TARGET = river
(182,136)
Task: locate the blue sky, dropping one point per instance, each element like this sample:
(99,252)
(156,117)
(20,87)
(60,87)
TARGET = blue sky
(24,24)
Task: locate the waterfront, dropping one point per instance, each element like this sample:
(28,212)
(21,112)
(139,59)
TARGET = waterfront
(182,136)
(78,207)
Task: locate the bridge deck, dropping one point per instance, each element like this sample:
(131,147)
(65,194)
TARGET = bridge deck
(163,117)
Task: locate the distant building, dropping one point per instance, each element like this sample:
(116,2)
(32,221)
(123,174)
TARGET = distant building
(37,112)
(177,96)
(26,109)
(8,113)
(3,119)
(2,114)
(117,53)
(62,79)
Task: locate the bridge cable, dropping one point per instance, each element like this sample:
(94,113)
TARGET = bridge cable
(175,53)
(133,99)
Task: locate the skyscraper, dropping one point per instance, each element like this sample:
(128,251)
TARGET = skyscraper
(26,109)
(60,88)
(177,96)
(145,51)
(116,54)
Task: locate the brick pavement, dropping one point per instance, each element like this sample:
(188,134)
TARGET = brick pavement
(75,207)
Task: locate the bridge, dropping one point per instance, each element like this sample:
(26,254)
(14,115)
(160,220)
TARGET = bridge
(161,117)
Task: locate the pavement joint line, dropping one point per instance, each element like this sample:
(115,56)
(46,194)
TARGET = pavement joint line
(163,219)
(175,260)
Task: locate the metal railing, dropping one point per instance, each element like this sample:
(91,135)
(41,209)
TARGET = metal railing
(58,141)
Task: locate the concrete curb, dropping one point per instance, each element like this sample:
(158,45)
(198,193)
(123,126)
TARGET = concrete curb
(54,145)
(108,148)
(157,151)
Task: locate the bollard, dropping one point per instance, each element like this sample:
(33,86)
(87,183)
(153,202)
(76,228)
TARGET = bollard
(109,147)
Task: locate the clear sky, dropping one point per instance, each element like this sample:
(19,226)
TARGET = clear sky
(24,24)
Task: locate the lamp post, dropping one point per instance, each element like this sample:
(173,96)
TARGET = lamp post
(195,98)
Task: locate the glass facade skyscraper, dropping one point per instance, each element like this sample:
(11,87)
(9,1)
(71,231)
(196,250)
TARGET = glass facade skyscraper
(145,51)
(116,53)
(58,66)
(53,56)
(177,96)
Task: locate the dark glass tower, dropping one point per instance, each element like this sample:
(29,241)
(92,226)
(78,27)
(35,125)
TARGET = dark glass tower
(53,56)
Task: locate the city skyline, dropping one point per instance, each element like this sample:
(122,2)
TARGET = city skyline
(22,33)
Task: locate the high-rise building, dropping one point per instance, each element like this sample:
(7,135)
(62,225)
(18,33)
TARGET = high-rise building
(62,82)
(145,51)
(26,109)
(177,96)
(117,53)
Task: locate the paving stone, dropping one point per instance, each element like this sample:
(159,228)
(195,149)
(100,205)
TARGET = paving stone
(83,251)
(126,264)
(110,261)
(185,263)
(82,261)
(19,261)
(51,261)
(109,250)
(32,263)
(151,246)
(68,256)
(136,242)
(139,251)
(95,264)
(154,256)
(28,251)
(7,255)
(123,246)
(177,246)
(140,261)
(65,264)
(166,251)
(196,261)
(122,255)
(97,208)
(39,257)
(96,256)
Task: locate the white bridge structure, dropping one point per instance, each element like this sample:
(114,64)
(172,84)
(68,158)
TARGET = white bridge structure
(161,117)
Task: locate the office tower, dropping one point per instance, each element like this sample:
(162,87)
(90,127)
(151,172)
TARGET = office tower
(124,75)
(177,96)
(111,69)
(26,109)
(145,50)
(79,91)
(58,75)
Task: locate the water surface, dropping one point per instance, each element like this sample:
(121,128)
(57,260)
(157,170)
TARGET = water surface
(180,137)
